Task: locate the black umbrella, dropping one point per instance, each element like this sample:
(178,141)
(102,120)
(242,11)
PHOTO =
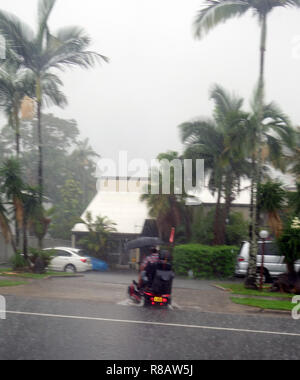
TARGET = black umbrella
(144,242)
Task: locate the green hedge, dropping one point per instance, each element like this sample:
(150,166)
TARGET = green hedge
(205,261)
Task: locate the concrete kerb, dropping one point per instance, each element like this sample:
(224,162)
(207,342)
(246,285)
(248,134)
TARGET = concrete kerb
(259,310)
(57,276)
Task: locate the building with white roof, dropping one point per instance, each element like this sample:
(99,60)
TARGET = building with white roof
(119,199)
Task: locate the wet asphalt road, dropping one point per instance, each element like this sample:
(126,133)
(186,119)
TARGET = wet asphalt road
(77,330)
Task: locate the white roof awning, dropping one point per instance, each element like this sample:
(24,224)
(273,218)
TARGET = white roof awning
(126,210)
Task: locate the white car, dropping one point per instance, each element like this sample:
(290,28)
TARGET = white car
(274,263)
(69,260)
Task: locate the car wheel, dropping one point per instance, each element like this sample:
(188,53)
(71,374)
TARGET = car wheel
(70,269)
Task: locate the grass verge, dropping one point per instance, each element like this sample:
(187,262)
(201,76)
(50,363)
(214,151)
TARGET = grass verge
(10,273)
(264,304)
(5,283)
(241,290)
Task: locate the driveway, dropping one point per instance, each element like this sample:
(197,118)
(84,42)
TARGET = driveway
(111,287)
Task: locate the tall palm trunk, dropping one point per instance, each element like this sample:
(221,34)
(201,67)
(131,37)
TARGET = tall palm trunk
(40,147)
(257,172)
(219,230)
(17,134)
(251,194)
(25,239)
(229,198)
(40,137)
(17,130)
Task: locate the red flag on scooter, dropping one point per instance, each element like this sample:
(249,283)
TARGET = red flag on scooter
(172,236)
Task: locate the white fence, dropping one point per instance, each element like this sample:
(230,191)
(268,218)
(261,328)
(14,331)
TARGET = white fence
(6,251)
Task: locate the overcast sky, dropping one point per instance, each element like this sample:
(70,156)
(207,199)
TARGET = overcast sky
(159,75)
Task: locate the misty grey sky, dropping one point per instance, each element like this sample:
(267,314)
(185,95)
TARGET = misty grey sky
(159,75)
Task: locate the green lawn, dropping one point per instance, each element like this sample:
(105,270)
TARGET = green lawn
(255,297)
(11,273)
(241,290)
(6,283)
(264,304)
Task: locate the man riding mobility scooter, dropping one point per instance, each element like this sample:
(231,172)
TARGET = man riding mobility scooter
(156,279)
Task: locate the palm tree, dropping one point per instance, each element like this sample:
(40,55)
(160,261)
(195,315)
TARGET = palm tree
(31,211)
(203,140)
(15,84)
(169,210)
(12,186)
(219,11)
(41,51)
(5,225)
(294,201)
(213,141)
(294,157)
(4,150)
(269,125)
(17,88)
(271,199)
(83,162)
(100,229)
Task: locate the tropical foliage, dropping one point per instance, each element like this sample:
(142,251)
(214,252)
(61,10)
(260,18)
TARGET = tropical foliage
(216,141)
(289,243)
(51,163)
(220,11)
(41,51)
(69,166)
(168,207)
(97,240)
(272,200)
(21,198)
(236,228)
(28,83)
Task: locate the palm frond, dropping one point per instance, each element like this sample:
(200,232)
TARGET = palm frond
(69,47)
(194,131)
(52,95)
(85,60)
(226,105)
(18,35)
(45,8)
(216,12)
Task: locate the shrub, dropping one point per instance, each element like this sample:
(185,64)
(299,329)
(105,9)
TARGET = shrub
(205,261)
(203,226)
(237,229)
(40,259)
(18,262)
(289,243)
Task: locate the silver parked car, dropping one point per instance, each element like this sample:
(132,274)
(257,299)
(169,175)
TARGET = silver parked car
(274,264)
